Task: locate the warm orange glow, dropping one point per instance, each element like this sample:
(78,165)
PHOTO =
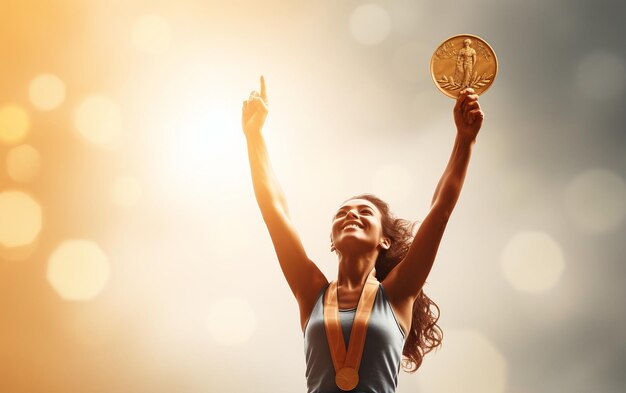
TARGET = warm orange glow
(20,221)
(126,191)
(151,34)
(46,92)
(23,163)
(99,120)
(14,124)
(134,258)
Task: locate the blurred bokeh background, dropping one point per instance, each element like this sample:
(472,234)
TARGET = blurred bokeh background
(133,257)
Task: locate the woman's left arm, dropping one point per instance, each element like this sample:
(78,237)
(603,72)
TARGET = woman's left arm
(405,281)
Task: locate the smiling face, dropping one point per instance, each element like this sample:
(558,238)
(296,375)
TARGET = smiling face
(357,227)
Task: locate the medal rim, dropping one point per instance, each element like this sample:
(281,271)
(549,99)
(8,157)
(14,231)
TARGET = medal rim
(432,73)
(349,375)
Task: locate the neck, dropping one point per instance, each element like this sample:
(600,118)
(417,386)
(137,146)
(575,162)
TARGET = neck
(354,270)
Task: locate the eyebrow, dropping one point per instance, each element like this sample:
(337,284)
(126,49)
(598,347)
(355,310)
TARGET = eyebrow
(345,207)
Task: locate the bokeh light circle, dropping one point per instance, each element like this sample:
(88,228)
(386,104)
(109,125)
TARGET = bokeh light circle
(601,75)
(99,120)
(23,163)
(476,364)
(370,24)
(151,34)
(231,321)
(46,92)
(20,219)
(532,261)
(126,191)
(14,124)
(78,269)
(595,200)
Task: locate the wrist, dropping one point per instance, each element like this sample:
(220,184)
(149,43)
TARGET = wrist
(465,139)
(254,133)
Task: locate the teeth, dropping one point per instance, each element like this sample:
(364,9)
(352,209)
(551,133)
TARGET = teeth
(352,226)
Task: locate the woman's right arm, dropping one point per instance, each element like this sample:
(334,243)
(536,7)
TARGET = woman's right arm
(303,276)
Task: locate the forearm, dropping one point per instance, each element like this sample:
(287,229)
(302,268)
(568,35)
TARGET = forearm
(449,187)
(266,187)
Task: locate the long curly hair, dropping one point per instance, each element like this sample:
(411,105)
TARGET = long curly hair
(425,334)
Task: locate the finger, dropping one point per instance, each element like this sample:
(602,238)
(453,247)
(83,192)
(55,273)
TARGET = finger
(480,116)
(477,113)
(259,103)
(263,90)
(468,99)
(460,101)
(254,93)
(471,105)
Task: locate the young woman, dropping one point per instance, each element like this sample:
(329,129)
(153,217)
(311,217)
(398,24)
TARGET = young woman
(382,268)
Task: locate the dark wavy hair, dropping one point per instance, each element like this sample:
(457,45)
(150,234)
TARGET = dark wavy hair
(425,334)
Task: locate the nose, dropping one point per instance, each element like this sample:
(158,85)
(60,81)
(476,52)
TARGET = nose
(352,213)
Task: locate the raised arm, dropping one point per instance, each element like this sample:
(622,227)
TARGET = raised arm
(303,276)
(408,277)
(468,119)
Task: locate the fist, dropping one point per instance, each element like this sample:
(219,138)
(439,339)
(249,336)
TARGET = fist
(468,116)
(254,111)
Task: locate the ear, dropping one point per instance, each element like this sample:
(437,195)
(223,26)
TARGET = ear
(385,243)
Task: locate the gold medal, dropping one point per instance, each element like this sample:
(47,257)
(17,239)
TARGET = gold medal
(347,378)
(346,363)
(463,61)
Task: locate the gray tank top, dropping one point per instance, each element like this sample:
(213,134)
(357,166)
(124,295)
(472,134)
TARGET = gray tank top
(382,354)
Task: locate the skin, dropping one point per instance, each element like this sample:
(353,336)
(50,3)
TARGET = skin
(357,249)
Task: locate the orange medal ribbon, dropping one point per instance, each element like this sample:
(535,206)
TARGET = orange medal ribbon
(347,362)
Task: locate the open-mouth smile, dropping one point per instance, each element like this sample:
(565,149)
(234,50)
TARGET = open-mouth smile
(352,225)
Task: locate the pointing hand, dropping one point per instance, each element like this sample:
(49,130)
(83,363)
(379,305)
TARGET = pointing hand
(254,111)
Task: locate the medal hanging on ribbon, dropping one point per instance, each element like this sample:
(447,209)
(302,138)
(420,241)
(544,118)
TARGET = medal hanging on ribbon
(347,363)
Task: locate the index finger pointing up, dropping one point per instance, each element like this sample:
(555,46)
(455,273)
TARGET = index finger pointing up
(263,91)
